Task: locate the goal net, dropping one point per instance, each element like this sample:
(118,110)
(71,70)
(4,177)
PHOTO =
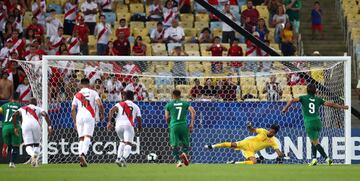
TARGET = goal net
(226,93)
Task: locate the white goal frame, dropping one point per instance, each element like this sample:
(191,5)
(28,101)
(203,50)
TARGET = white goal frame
(345,59)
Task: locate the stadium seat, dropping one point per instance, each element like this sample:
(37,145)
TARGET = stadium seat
(60,17)
(249,89)
(136,8)
(193,53)
(136,25)
(263,11)
(286,97)
(215,25)
(202,17)
(110,17)
(186,24)
(199,9)
(171,46)
(123,15)
(27,19)
(92,42)
(205,53)
(247,81)
(123,8)
(199,25)
(183,88)
(140,32)
(217,32)
(204,46)
(191,47)
(298,90)
(150,25)
(187,17)
(190,32)
(57,7)
(159,49)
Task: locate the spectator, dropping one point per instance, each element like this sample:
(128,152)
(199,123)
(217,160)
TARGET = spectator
(74,43)
(293,11)
(82,30)
(71,86)
(38,30)
(123,28)
(3,17)
(111,51)
(61,49)
(196,91)
(279,21)
(5,51)
(205,36)
(16,74)
(131,68)
(102,33)
(13,55)
(52,24)
(209,90)
(216,50)
(185,6)
(39,50)
(316,16)
(38,9)
(90,9)
(157,35)
(156,11)
(249,17)
(122,45)
(140,92)
(92,72)
(18,44)
(252,50)
(139,48)
(262,29)
(99,88)
(287,38)
(24,91)
(272,6)
(179,68)
(175,33)
(10,25)
(235,50)
(266,65)
(228,34)
(113,87)
(170,13)
(33,56)
(56,41)
(29,38)
(273,89)
(71,10)
(6,86)
(227,90)
(105,5)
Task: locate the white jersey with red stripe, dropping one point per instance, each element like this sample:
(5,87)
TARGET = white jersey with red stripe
(92,73)
(39,12)
(105,4)
(28,117)
(3,18)
(102,33)
(74,45)
(91,96)
(122,119)
(24,92)
(70,11)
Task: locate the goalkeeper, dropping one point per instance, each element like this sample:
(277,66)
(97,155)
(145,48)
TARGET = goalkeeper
(263,139)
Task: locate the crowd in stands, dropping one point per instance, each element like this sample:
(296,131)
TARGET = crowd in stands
(30,29)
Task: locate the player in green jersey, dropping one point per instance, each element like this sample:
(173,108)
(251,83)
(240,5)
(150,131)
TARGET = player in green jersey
(11,140)
(310,105)
(175,115)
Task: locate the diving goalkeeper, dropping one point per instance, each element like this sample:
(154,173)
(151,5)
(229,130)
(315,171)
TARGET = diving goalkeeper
(263,139)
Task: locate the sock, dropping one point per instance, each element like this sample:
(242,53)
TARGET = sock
(87,143)
(185,150)
(321,151)
(175,153)
(9,151)
(313,151)
(29,150)
(247,162)
(81,145)
(37,150)
(120,151)
(127,150)
(222,145)
(14,154)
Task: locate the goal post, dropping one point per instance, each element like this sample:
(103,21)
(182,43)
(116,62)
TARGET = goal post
(338,67)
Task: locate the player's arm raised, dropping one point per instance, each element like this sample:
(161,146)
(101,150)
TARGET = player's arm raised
(250,127)
(14,118)
(334,105)
(289,103)
(48,121)
(193,114)
(112,112)
(101,109)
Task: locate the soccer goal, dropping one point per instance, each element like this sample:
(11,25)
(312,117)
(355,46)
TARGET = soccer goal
(234,91)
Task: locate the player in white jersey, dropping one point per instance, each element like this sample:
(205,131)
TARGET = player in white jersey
(31,128)
(83,114)
(124,113)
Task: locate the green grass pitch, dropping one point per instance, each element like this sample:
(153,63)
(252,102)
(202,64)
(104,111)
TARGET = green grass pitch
(168,172)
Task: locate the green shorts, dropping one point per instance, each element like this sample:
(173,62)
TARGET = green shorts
(179,135)
(313,128)
(9,137)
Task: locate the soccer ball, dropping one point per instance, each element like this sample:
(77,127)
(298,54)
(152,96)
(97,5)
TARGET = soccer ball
(152,157)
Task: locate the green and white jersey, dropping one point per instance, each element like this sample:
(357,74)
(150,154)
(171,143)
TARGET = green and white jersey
(178,110)
(8,110)
(310,106)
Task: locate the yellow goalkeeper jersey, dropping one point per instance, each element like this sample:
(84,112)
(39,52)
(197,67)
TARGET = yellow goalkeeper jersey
(258,142)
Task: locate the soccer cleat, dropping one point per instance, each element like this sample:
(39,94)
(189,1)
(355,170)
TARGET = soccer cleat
(208,146)
(329,161)
(179,164)
(12,165)
(28,161)
(34,161)
(118,162)
(231,162)
(123,162)
(83,162)
(184,158)
(313,162)
(4,151)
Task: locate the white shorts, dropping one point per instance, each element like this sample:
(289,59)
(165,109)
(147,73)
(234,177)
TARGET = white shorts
(85,125)
(125,133)
(31,132)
